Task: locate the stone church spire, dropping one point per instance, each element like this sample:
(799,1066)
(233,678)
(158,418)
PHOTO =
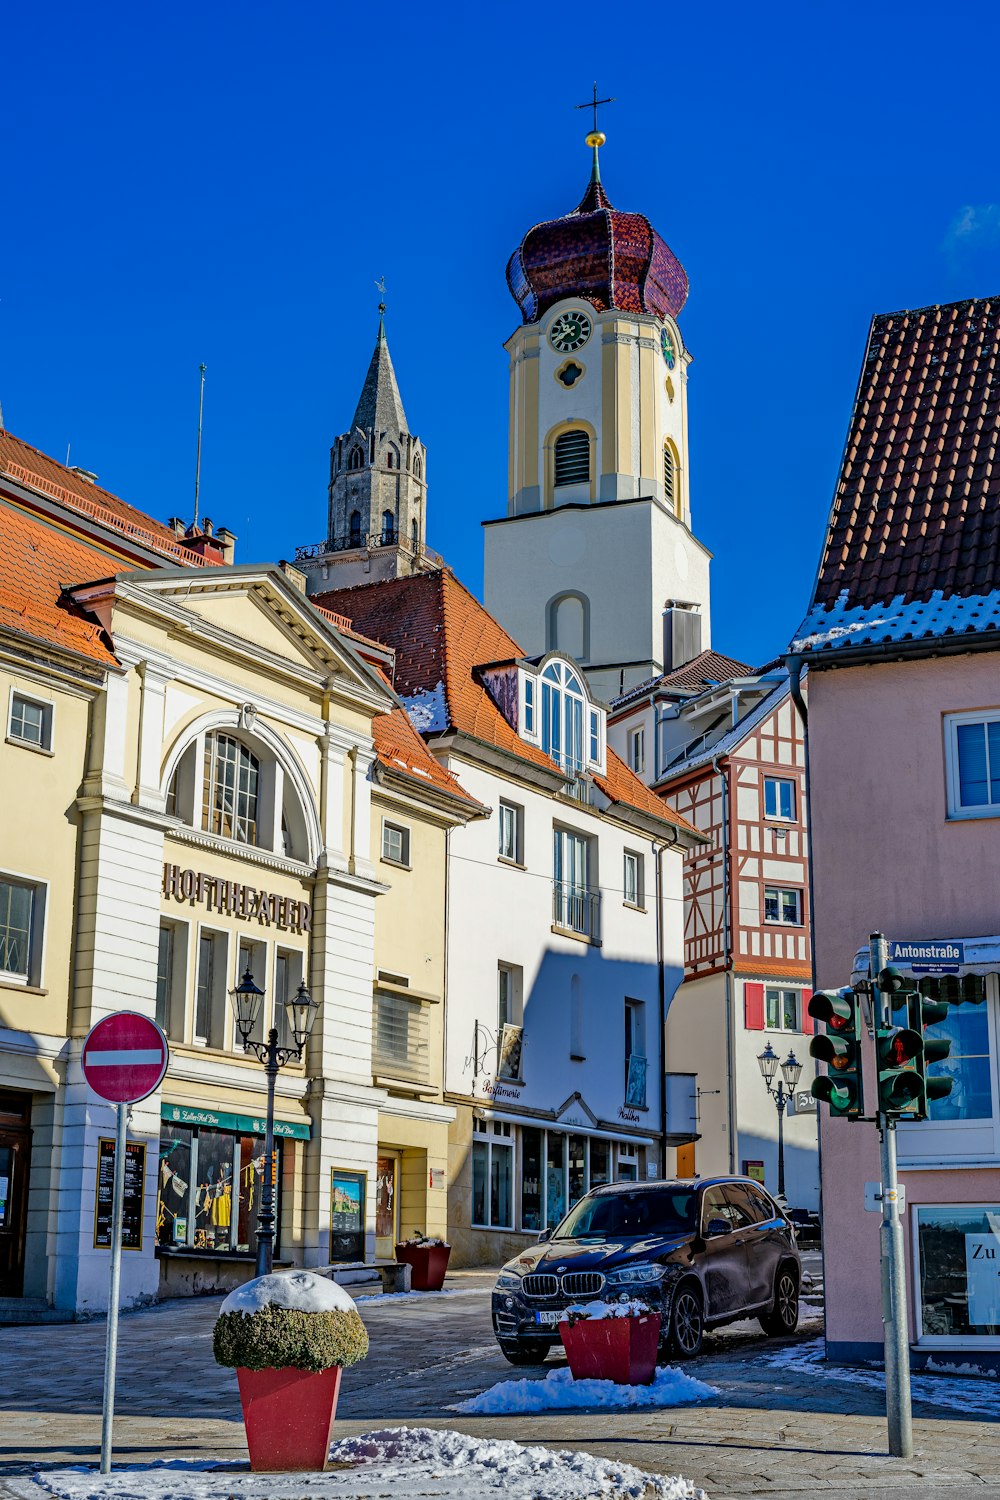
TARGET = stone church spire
(376,525)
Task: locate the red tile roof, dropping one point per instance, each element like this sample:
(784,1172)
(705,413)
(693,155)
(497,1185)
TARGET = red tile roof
(441,636)
(917,507)
(705,668)
(37,559)
(400,748)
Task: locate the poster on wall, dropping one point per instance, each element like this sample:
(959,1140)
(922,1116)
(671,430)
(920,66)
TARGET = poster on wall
(509,1063)
(635,1091)
(982,1268)
(135,1181)
(347,1214)
(754,1170)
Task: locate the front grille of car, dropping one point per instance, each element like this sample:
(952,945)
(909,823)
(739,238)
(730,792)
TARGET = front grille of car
(583,1283)
(541,1285)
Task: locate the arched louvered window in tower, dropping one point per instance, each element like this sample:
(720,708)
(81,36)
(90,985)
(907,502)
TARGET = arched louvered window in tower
(355,458)
(572,457)
(670,485)
(355,536)
(418,467)
(415,534)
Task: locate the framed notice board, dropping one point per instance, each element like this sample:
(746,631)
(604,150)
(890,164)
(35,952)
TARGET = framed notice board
(348,1191)
(135,1182)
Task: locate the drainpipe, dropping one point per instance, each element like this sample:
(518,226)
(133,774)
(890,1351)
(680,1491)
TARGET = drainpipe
(727,946)
(662,983)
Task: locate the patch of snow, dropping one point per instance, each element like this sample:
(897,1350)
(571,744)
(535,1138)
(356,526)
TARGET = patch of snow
(965,1369)
(427,710)
(896,619)
(560,1392)
(448,1291)
(301,1290)
(414,1462)
(632,1307)
(963,1394)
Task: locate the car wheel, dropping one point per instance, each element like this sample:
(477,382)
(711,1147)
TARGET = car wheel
(687,1321)
(783,1315)
(525,1351)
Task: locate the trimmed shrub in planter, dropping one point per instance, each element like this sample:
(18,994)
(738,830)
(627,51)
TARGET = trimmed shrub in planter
(288,1337)
(428,1260)
(615,1341)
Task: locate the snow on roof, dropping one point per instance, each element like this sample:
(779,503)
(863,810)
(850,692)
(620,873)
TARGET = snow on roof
(831,628)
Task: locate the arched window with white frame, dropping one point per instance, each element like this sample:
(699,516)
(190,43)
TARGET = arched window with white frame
(563,702)
(232,774)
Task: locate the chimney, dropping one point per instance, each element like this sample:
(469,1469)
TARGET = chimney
(294,575)
(681,634)
(83,473)
(225,540)
(176,526)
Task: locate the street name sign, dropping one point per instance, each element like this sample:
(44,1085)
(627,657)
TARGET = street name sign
(125,1057)
(929,955)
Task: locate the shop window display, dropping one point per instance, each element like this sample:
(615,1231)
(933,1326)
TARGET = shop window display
(959,1251)
(210,1186)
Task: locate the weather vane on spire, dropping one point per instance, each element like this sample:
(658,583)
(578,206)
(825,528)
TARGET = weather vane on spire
(594,105)
(380,287)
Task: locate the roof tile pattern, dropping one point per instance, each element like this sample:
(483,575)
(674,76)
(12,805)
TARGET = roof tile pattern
(400,748)
(597,252)
(441,636)
(917,505)
(36,560)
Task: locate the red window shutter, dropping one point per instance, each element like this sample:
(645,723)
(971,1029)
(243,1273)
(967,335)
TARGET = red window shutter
(808,1024)
(753,1007)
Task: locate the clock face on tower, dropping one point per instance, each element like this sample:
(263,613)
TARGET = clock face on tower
(570,332)
(667,345)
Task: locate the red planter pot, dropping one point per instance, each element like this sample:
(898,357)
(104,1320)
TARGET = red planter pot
(618,1349)
(428,1264)
(288,1415)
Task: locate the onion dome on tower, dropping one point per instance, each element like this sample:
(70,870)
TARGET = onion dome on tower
(597,252)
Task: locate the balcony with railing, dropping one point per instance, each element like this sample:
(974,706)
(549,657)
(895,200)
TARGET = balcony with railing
(401,1040)
(352,541)
(576,908)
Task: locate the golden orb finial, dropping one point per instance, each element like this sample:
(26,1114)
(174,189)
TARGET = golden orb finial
(596,138)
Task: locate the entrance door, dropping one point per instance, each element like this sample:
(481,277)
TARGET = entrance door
(15,1157)
(685,1160)
(387,1206)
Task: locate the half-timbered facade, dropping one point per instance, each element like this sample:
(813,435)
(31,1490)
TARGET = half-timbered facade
(729,757)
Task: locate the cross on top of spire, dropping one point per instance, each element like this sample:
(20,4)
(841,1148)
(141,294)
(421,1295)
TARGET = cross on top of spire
(594,104)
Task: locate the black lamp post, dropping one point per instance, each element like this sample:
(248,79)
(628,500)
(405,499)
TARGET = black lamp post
(300,1010)
(791,1070)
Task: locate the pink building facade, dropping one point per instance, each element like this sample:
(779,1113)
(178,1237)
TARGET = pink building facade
(902,646)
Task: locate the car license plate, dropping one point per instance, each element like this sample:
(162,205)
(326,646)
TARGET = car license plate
(550,1315)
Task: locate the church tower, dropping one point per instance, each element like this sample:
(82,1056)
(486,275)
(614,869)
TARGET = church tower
(596,556)
(377,514)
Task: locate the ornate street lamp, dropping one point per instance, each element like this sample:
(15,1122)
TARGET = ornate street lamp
(300,1013)
(791,1071)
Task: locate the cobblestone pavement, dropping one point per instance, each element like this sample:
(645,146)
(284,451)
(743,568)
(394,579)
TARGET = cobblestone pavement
(773,1430)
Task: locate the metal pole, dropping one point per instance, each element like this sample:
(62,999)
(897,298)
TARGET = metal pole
(265,1222)
(780,1102)
(197,466)
(114,1293)
(897,1347)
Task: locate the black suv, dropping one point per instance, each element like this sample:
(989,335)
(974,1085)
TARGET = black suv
(702,1251)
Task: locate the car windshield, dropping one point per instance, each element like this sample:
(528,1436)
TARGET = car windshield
(610,1215)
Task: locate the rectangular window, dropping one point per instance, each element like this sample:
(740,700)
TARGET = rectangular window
(576,900)
(529,705)
(958,1248)
(17,902)
(210,1184)
(493,1175)
(635,1054)
(510,979)
(401,1038)
(532,1156)
(783,1009)
(972,750)
(779,798)
(287,974)
(634,893)
(968,1064)
(555,1179)
(595,737)
(164,976)
(511,832)
(252,959)
(30,722)
(628,1164)
(782,905)
(637,750)
(211,1008)
(396,844)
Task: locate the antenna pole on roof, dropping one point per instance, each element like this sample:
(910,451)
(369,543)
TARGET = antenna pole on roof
(197,467)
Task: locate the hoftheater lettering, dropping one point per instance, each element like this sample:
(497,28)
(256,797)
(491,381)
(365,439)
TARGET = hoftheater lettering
(230,898)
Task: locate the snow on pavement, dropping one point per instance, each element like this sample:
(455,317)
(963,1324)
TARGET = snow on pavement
(414,1462)
(964,1393)
(560,1392)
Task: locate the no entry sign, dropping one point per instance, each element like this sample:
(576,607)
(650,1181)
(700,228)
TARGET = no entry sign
(125,1057)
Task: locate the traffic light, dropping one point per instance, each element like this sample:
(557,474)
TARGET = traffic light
(906,1052)
(840,1048)
(969,990)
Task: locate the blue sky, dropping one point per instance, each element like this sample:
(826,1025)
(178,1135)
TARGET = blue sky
(224,183)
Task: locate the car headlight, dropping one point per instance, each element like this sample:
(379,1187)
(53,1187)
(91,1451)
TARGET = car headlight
(635,1273)
(507,1282)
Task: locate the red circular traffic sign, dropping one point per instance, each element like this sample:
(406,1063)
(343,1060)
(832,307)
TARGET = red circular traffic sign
(125,1057)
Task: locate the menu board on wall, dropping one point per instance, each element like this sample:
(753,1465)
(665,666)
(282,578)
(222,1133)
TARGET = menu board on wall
(135,1181)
